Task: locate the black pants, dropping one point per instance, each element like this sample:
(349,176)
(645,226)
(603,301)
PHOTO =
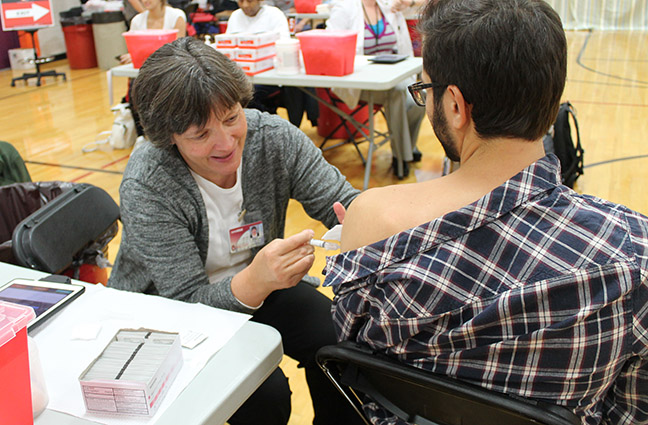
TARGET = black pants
(126,99)
(296,102)
(302,315)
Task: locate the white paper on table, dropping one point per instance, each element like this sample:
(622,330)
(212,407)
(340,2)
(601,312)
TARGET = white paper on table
(64,358)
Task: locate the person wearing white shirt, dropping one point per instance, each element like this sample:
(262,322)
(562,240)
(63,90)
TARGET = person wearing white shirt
(132,8)
(253,16)
(382,31)
(157,15)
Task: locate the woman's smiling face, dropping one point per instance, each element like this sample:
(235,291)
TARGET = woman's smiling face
(214,151)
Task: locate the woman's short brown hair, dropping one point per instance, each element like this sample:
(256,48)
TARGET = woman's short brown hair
(181,84)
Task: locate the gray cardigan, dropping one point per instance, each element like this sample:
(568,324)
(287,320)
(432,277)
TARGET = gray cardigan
(165,231)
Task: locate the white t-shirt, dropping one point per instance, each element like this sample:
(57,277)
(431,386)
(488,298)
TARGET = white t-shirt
(171,16)
(268,19)
(223,209)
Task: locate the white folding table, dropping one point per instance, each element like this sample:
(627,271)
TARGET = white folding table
(366,76)
(214,394)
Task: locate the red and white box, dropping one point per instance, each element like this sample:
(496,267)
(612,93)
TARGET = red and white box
(133,373)
(229,52)
(255,67)
(256,40)
(247,55)
(226,40)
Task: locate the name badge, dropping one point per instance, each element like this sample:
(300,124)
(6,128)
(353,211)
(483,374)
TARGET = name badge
(246,237)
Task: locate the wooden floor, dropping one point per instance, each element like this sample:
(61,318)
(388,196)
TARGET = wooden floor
(607,84)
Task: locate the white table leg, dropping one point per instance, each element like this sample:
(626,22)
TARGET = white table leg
(370,105)
(110,90)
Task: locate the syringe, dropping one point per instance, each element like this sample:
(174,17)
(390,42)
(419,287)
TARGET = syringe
(323,244)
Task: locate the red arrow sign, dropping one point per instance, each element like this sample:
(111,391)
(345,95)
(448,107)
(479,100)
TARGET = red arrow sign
(17,14)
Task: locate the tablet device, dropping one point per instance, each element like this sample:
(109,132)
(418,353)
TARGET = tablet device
(388,58)
(46,298)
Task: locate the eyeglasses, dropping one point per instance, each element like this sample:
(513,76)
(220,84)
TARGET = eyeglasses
(417,90)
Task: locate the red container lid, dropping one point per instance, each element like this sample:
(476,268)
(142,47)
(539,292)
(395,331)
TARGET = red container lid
(13,318)
(325,34)
(149,33)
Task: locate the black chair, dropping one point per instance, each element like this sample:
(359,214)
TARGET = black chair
(426,398)
(37,62)
(57,227)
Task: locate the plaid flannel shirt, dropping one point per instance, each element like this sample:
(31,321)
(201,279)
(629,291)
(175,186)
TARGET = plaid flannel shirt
(532,290)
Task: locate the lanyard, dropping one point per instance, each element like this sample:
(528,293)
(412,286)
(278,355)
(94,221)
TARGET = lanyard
(375,32)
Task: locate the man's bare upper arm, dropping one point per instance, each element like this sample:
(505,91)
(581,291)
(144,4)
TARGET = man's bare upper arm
(364,222)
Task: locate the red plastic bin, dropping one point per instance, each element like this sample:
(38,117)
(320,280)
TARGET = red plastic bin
(414,36)
(329,120)
(306,6)
(328,52)
(79,42)
(15,384)
(141,44)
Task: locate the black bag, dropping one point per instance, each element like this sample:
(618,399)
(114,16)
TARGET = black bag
(559,141)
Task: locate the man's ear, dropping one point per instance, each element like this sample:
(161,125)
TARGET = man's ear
(458,111)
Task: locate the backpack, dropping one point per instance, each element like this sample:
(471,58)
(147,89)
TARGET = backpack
(122,135)
(559,141)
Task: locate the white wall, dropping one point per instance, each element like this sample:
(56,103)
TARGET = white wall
(51,39)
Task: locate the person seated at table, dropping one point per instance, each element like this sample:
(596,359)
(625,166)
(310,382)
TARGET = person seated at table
(157,16)
(212,170)
(498,274)
(253,16)
(132,8)
(288,6)
(403,5)
(382,31)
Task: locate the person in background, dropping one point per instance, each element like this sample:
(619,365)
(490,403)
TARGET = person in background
(253,16)
(288,6)
(132,8)
(497,274)
(401,5)
(157,16)
(212,171)
(382,31)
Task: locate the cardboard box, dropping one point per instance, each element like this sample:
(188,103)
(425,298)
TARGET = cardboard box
(256,40)
(133,373)
(225,40)
(227,51)
(255,67)
(21,59)
(247,55)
